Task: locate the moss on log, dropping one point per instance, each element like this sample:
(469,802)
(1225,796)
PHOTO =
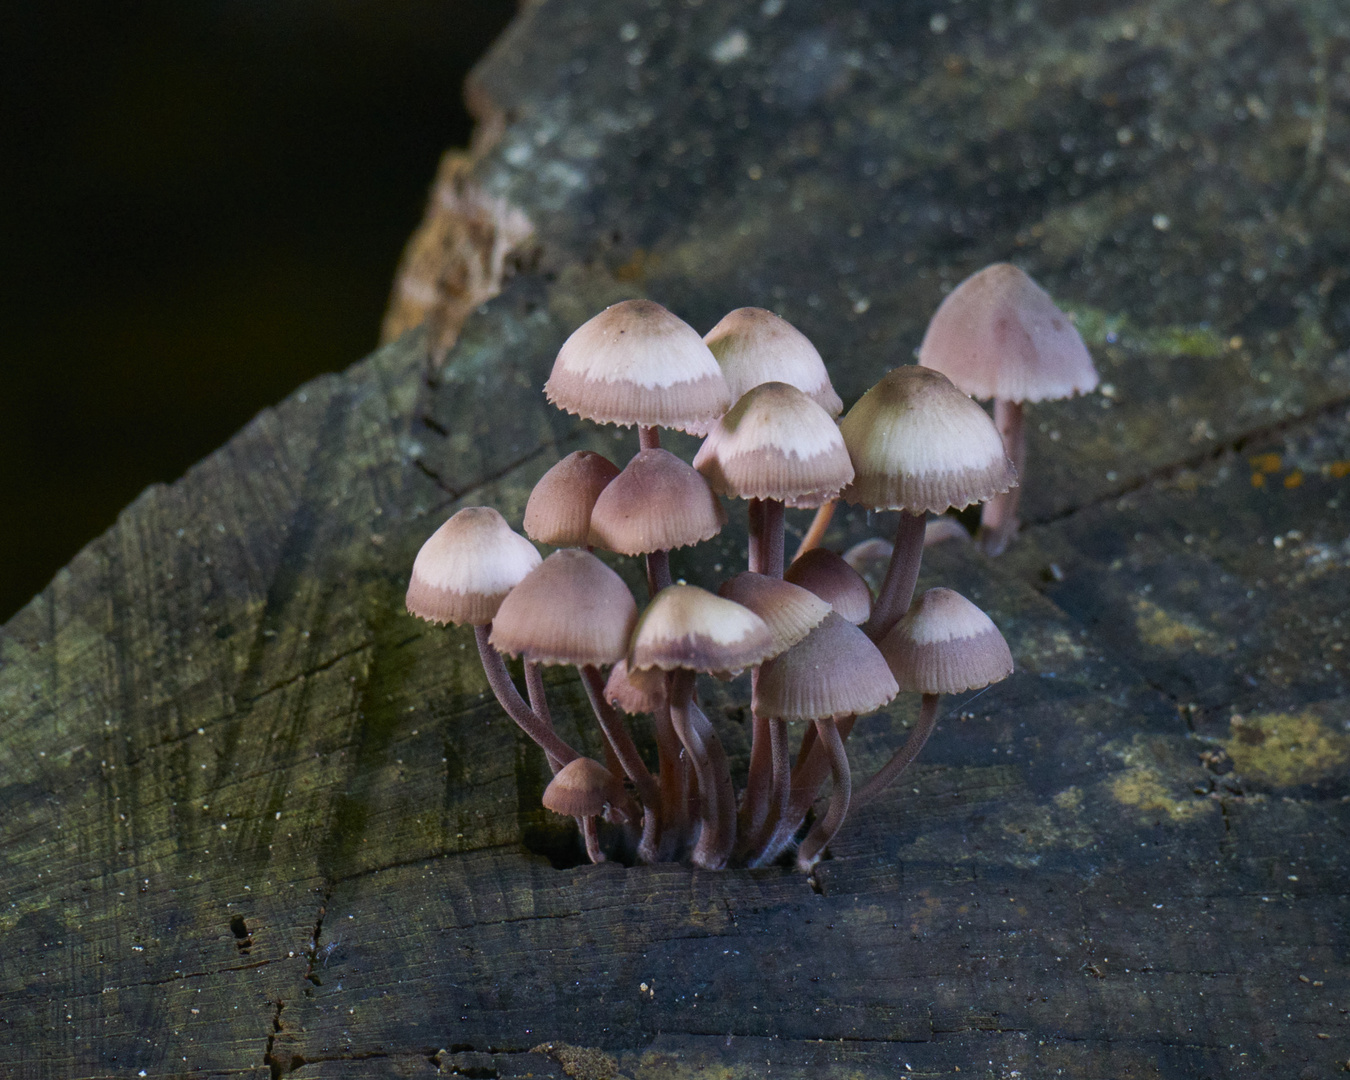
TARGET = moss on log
(257,821)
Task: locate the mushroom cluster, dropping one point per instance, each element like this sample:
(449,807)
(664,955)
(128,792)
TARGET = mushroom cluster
(820,651)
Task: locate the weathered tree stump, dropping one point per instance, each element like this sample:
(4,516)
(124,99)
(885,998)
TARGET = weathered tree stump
(259,821)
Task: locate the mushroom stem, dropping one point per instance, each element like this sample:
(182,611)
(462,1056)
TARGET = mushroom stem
(592,835)
(998,518)
(759,782)
(823,831)
(534,686)
(629,760)
(815,535)
(902,573)
(766,537)
(718,802)
(807,777)
(674,772)
(658,572)
(918,735)
(509,698)
(649,438)
(776,802)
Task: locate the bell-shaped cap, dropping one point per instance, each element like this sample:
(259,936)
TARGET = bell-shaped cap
(572,610)
(919,444)
(789,611)
(944,645)
(834,671)
(776,443)
(636,363)
(690,628)
(466,568)
(834,581)
(756,346)
(657,503)
(999,335)
(636,692)
(583,788)
(559,508)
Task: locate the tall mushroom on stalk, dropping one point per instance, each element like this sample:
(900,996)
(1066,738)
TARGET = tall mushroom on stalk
(573,609)
(919,446)
(686,630)
(944,645)
(834,672)
(999,335)
(461,575)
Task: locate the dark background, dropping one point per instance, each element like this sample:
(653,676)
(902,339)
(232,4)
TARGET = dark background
(201,206)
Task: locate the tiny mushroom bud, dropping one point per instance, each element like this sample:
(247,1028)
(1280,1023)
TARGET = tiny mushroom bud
(559,509)
(584,788)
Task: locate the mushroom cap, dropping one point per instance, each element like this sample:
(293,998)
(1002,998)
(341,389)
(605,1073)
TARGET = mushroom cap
(944,645)
(559,508)
(999,335)
(776,443)
(636,363)
(919,444)
(635,692)
(690,628)
(572,610)
(834,581)
(789,611)
(583,788)
(657,503)
(834,671)
(466,568)
(756,346)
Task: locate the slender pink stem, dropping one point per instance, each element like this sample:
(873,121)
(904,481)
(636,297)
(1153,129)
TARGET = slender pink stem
(649,791)
(918,735)
(902,574)
(998,518)
(534,686)
(509,698)
(718,811)
(823,832)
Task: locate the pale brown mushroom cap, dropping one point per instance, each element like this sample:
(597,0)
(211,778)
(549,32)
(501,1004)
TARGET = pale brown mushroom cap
(690,628)
(466,568)
(919,444)
(572,610)
(999,335)
(658,503)
(636,692)
(834,671)
(776,443)
(944,645)
(834,581)
(559,508)
(636,363)
(583,788)
(789,611)
(756,346)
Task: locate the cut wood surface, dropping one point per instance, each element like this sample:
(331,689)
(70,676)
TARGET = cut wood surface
(258,821)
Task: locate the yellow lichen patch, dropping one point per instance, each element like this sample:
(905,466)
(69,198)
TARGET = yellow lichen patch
(1266,463)
(581,1062)
(1286,749)
(1162,630)
(1043,827)
(1071,798)
(1144,786)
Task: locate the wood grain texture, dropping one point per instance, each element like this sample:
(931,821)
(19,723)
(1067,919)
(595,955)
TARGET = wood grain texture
(259,822)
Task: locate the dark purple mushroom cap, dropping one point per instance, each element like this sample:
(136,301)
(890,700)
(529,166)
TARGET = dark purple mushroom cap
(834,581)
(945,645)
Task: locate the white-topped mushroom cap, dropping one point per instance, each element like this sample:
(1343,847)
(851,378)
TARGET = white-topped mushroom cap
(945,644)
(756,346)
(636,363)
(690,628)
(467,566)
(999,335)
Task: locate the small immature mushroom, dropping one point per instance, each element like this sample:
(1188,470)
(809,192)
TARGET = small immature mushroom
(636,363)
(656,504)
(919,446)
(585,789)
(831,578)
(836,671)
(943,645)
(559,508)
(635,692)
(686,630)
(462,575)
(776,447)
(999,335)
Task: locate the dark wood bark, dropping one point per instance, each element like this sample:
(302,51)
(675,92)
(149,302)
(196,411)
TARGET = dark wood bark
(256,819)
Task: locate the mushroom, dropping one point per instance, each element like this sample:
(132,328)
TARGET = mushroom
(943,645)
(462,575)
(775,447)
(999,335)
(919,445)
(834,672)
(559,508)
(686,630)
(831,578)
(585,789)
